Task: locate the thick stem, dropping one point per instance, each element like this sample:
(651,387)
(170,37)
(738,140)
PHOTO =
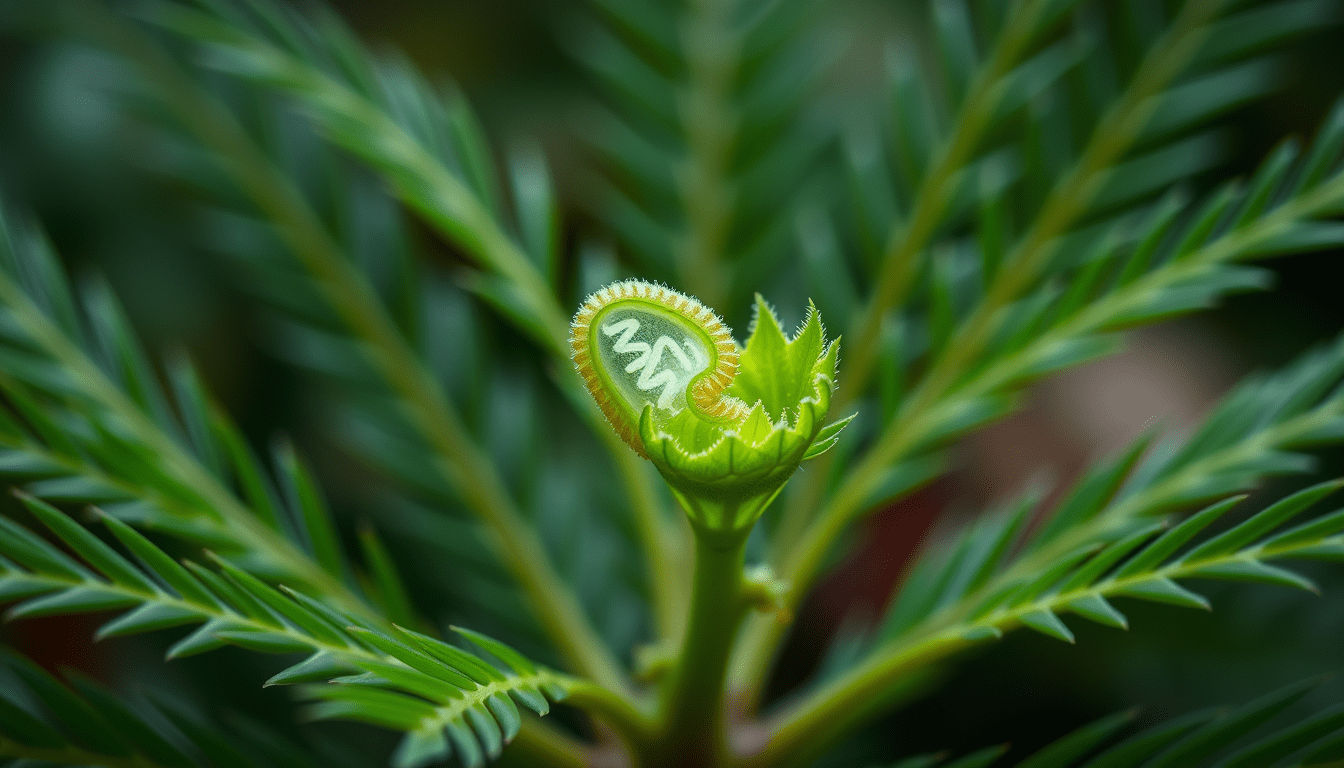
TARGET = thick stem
(693,733)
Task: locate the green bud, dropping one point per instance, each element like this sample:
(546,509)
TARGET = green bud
(725,429)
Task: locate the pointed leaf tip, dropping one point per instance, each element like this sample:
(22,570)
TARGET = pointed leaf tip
(1164,590)
(1047,623)
(1096,608)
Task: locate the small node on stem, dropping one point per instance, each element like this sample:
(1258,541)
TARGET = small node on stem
(653,660)
(766,593)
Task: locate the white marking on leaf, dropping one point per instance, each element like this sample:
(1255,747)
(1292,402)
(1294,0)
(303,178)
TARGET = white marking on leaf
(649,356)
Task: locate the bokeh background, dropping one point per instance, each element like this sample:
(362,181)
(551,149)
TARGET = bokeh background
(75,153)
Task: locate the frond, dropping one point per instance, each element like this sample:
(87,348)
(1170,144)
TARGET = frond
(425,142)
(444,698)
(1149,568)
(1106,538)
(387,351)
(89,423)
(1051,275)
(1177,258)
(1266,731)
(709,136)
(115,457)
(504,407)
(1249,437)
(1028,143)
(49,722)
(1173,259)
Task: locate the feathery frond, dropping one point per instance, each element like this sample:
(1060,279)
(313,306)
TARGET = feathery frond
(443,698)
(1176,259)
(1140,561)
(711,135)
(360,339)
(91,424)
(500,403)
(429,147)
(1140,130)
(1248,438)
(50,722)
(1256,733)
(1150,265)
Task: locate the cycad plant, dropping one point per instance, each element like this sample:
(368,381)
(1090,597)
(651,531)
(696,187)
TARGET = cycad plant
(574,514)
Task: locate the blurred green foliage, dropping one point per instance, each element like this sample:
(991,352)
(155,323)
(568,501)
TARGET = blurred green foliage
(86,148)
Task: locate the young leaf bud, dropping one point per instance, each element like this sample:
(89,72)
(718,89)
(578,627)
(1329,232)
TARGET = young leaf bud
(725,428)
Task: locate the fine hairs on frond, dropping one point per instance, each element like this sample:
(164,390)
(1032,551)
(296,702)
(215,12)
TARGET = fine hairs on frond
(810,315)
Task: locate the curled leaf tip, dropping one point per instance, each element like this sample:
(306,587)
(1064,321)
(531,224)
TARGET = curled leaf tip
(642,346)
(726,426)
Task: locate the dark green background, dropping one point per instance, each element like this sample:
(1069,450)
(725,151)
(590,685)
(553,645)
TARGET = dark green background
(71,153)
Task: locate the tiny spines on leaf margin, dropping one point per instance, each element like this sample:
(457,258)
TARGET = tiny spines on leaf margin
(707,392)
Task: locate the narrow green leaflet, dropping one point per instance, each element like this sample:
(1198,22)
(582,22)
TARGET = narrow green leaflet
(441,696)
(1254,734)
(1087,580)
(48,721)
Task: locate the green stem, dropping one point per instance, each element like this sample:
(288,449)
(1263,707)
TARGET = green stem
(537,743)
(693,731)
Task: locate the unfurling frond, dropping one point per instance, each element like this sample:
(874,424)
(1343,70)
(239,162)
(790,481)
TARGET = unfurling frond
(726,440)
(702,349)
